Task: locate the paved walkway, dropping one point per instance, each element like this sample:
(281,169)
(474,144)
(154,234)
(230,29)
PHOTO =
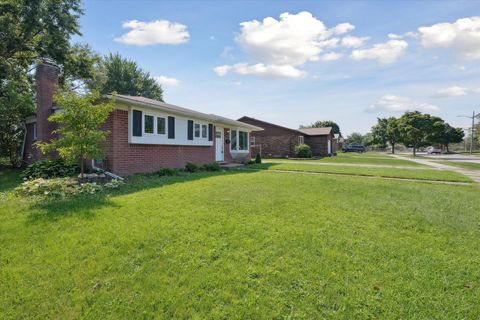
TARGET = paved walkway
(472,174)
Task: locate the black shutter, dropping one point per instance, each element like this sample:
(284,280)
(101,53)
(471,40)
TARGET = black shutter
(171,127)
(137,123)
(210,132)
(190,130)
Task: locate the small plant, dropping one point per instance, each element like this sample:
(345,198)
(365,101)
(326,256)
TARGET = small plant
(114,184)
(55,188)
(303,151)
(46,169)
(191,167)
(251,161)
(167,172)
(258,159)
(214,166)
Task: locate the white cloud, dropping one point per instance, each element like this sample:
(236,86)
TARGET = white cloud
(385,53)
(293,39)
(392,103)
(455,91)
(354,42)
(166,81)
(260,69)
(462,36)
(154,32)
(331,56)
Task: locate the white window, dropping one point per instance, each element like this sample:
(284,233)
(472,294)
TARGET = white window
(233,140)
(197,130)
(161,125)
(148,124)
(242,140)
(301,140)
(204,131)
(34,131)
(238,140)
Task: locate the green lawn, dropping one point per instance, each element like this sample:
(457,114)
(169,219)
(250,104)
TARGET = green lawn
(245,245)
(420,174)
(367,159)
(461,164)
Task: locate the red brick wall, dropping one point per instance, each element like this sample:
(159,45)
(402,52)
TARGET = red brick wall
(46,78)
(124,158)
(30,153)
(319,144)
(274,140)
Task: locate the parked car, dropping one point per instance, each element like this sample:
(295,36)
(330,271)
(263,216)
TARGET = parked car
(354,148)
(434,150)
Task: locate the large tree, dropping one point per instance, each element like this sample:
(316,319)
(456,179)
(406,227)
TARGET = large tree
(323,124)
(355,138)
(393,132)
(450,135)
(124,76)
(32,30)
(416,129)
(79,134)
(379,133)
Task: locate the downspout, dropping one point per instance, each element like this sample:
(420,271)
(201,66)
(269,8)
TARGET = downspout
(111,175)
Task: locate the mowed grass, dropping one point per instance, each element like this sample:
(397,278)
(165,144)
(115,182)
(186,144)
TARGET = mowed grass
(384,160)
(419,174)
(461,164)
(245,245)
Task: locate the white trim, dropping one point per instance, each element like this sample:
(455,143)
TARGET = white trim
(237,141)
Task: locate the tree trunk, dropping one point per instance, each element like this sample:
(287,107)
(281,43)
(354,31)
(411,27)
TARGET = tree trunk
(414,153)
(446,146)
(393,148)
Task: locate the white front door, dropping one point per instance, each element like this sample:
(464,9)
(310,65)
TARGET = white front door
(219,144)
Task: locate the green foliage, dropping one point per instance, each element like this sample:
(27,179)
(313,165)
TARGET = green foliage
(323,124)
(251,161)
(393,132)
(355,138)
(417,129)
(379,133)
(16,103)
(258,158)
(167,172)
(35,29)
(303,151)
(62,187)
(50,169)
(214,166)
(123,76)
(191,167)
(80,136)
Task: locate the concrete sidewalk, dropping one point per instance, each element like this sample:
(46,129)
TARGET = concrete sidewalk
(472,174)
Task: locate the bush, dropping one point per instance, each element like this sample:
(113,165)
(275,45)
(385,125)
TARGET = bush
(49,169)
(251,161)
(191,167)
(303,151)
(167,172)
(258,159)
(214,166)
(62,187)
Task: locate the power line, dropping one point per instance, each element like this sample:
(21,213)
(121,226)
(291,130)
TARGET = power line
(473,116)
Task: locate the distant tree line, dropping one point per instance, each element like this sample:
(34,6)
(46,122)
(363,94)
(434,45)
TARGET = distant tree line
(414,130)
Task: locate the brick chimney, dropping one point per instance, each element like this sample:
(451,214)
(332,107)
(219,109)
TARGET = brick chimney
(46,78)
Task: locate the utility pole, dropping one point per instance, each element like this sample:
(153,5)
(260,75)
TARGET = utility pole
(472,137)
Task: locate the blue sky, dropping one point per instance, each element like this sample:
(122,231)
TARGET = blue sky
(296,62)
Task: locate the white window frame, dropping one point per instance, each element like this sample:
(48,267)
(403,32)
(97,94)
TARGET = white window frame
(154,124)
(195,124)
(301,140)
(237,141)
(204,126)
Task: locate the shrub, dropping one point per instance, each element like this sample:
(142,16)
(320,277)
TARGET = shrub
(303,151)
(167,172)
(251,161)
(258,159)
(214,166)
(56,187)
(114,184)
(49,169)
(191,167)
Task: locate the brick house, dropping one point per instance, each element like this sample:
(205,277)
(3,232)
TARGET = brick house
(144,134)
(278,141)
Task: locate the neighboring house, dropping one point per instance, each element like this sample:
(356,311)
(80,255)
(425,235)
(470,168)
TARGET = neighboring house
(145,134)
(278,141)
(338,141)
